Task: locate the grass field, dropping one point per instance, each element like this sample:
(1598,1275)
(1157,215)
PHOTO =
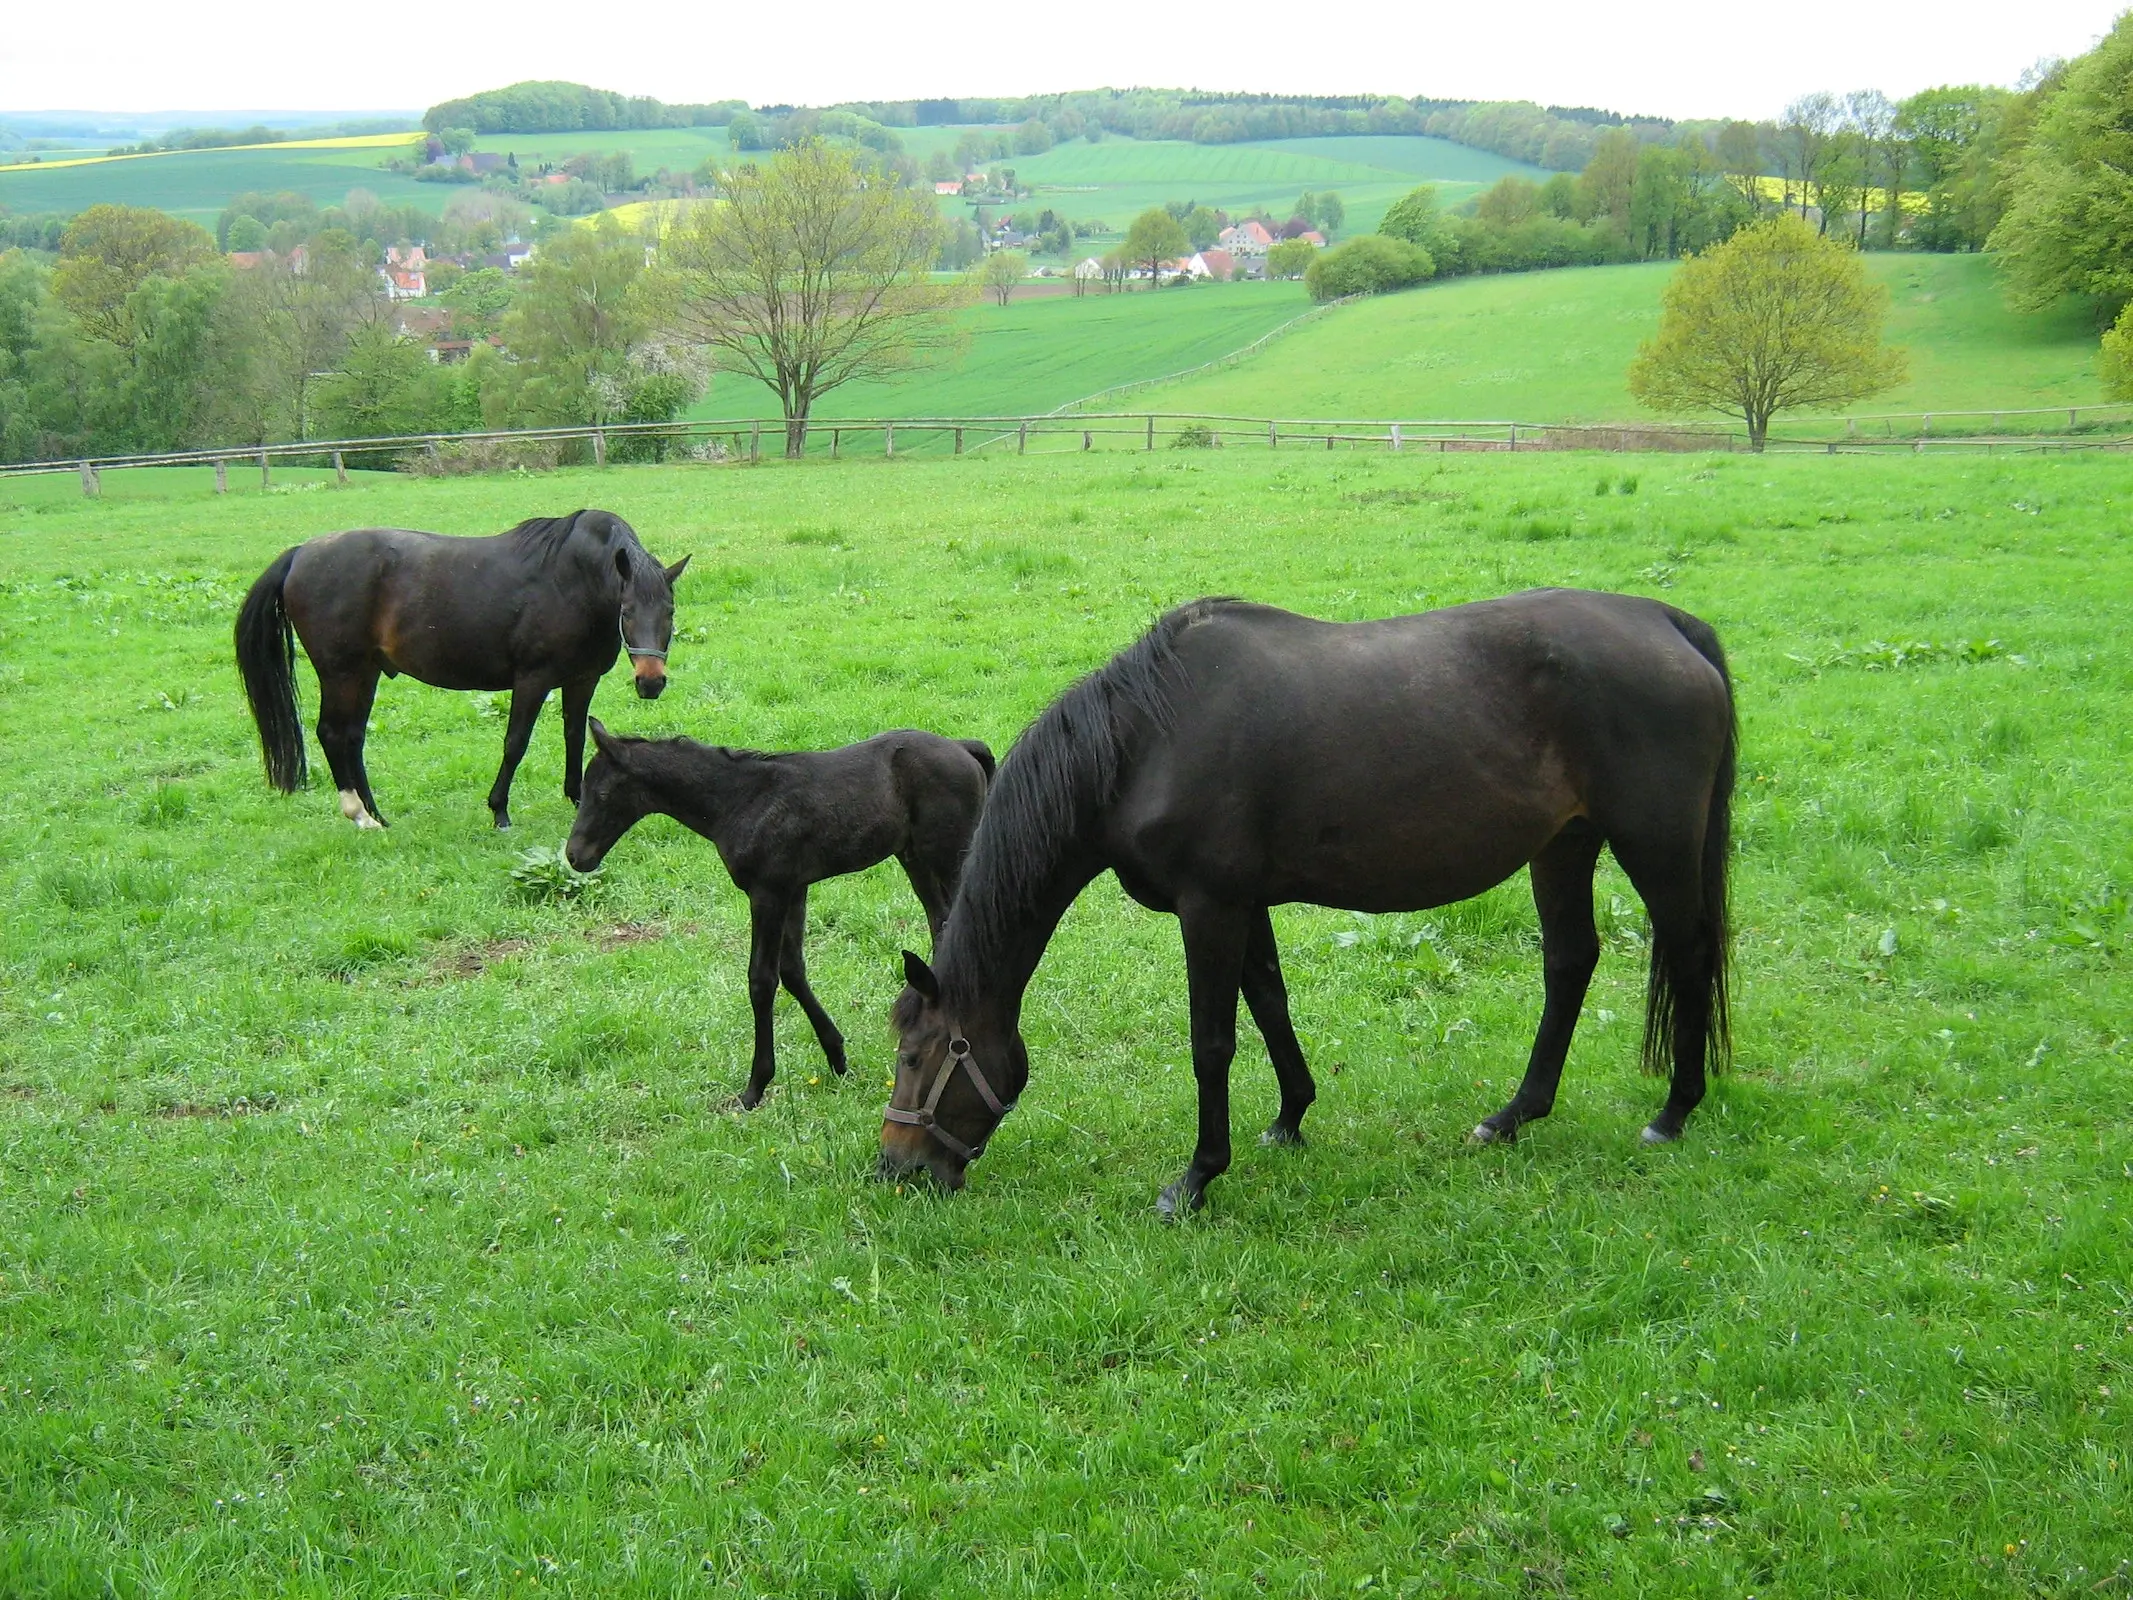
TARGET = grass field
(197,184)
(1554,346)
(367,1228)
(1032,356)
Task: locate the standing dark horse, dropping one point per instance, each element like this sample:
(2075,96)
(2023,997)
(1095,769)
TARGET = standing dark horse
(1238,757)
(551,604)
(783,822)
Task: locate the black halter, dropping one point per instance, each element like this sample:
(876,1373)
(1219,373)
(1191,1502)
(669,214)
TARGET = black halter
(958,1056)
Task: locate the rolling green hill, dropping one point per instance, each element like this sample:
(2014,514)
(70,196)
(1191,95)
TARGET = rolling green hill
(1034,356)
(196,184)
(1553,347)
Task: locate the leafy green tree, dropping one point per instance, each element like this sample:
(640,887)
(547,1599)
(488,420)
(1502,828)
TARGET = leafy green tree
(108,251)
(1773,319)
(388,386)
(1608,185)
(2069,224)
(163,395)
(1155,237)
(1203,227)
(578,333)
(279,326)
(813,273)
(2115,361)
(1810,124)
(1740,158)
(1331,213)
(456,141)
(1291,258)
(247,234)
(1509,201)
(1001,272)
(1371,263)
(1415,217)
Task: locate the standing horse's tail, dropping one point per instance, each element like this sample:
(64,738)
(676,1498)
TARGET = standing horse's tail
(1708,966)
(266,655)
(981,753)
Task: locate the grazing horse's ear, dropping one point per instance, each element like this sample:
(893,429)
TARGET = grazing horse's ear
(622,562)
(920,977)
(675,571)
(603,741)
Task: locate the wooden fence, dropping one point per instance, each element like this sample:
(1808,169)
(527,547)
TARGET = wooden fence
(750,440)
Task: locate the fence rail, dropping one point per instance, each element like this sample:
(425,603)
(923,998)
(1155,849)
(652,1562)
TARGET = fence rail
(749,439)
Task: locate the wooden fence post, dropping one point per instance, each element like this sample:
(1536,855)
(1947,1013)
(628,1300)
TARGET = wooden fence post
(1151,433)
(959,441)
(340,469)
(1925,426)
(755,441)
(2072,421)
(1273,440)
(1022,441)
(1329,441)
(1085,441)
(599,448)
(90,485)
(1396,436)
(222,475)
(265,476)
(836,439)
(888,439)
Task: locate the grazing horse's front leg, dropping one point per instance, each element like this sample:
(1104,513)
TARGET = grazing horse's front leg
(577,703)
(526,701)
(1215,938)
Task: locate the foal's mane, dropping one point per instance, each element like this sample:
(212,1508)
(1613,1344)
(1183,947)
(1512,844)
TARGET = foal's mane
(1054,784)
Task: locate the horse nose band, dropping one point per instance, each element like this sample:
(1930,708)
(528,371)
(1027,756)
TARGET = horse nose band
(634,652)
(958,1056)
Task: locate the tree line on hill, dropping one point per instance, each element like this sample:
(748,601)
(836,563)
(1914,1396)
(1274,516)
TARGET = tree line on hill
(556,107)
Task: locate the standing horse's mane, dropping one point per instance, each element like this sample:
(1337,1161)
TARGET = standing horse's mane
(546,535)
(1064,768)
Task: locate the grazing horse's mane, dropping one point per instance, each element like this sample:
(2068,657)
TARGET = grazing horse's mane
(545,536)
(1062,771)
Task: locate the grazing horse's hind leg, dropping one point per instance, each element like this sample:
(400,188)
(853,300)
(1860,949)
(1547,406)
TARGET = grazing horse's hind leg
(526,702)
(1686,948)
(1570,949)
(344,702)
(792,969)
(1215,939)
(577,704)
(1268,997)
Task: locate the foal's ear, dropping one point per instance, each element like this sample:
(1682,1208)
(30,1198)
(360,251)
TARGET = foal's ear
(675,571)
(603,741)
(920,977)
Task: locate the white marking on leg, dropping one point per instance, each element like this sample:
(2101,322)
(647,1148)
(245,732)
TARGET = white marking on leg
(355,811)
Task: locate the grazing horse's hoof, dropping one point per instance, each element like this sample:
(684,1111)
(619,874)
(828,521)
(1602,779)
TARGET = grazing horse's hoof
(355,811)
(1654,1134)
(1282,1135)
(746,1100)
(1484,1134)
(502,821)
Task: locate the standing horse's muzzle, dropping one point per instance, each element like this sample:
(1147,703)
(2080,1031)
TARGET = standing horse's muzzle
(650,684)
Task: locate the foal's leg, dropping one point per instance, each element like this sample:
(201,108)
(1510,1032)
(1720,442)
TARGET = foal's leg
(1685,951)
(344,702)
(792,968)
(932,883)
(1268,997)
(1215,937)
(767,910)
(1570,949)
(526,700)
(577,703)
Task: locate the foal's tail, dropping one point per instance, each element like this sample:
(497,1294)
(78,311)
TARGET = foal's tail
(266,655)
(981,753)
(1706,967)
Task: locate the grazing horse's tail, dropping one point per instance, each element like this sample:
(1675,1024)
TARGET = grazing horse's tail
(1707,966)
(266,655)
(981,753)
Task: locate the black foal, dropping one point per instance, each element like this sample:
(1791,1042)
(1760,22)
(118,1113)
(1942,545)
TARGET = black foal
(783,822)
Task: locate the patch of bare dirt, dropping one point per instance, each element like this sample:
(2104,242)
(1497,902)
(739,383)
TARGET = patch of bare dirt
(469,960)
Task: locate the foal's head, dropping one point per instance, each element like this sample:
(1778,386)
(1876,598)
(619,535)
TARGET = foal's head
(611,800)
(958,1071)
(647,611)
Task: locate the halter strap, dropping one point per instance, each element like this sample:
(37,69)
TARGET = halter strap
(631,649)
(958,1056)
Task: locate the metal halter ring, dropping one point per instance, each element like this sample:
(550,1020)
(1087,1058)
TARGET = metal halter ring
(958,1056)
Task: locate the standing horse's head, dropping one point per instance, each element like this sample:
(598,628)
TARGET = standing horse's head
(611,800)
(957,1077)
(647,609)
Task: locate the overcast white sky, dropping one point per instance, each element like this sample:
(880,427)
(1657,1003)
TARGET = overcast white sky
(1680,58)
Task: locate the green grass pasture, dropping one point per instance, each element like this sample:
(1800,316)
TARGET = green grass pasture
(367,1228)
(1554,347)
(197,184)
(1031,356)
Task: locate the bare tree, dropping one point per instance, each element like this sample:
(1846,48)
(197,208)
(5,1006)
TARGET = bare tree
(1811,122)
(1873,117)
(813,273)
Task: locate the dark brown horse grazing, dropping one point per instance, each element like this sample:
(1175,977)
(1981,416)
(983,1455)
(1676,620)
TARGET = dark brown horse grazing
(783,822)
(551,604)
(1240,757)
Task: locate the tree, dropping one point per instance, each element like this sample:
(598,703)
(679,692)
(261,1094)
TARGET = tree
(1203,226)
(2069,224)
(813,273)
(1873,118)
(1804,139)
(456,141)
(1154,238)
(280,325)
(1740,158)
(1607,187)
(1332,212)
(579,333)
(1367,264)
(1115,267)
(1001,271)
(1291,258)
(387,386)
(1415,217)
(2115,362)
(1773,319)
(1509,201)
(109,251)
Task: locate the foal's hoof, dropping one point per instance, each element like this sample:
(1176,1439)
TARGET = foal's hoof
(1287,1137)
(1484,1134)
(1654,1134)
(838,1067)
(748,1099)
(503,820)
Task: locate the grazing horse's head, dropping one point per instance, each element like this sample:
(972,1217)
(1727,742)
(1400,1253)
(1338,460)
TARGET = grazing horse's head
(611,800)
(647,611)
(956,1078)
